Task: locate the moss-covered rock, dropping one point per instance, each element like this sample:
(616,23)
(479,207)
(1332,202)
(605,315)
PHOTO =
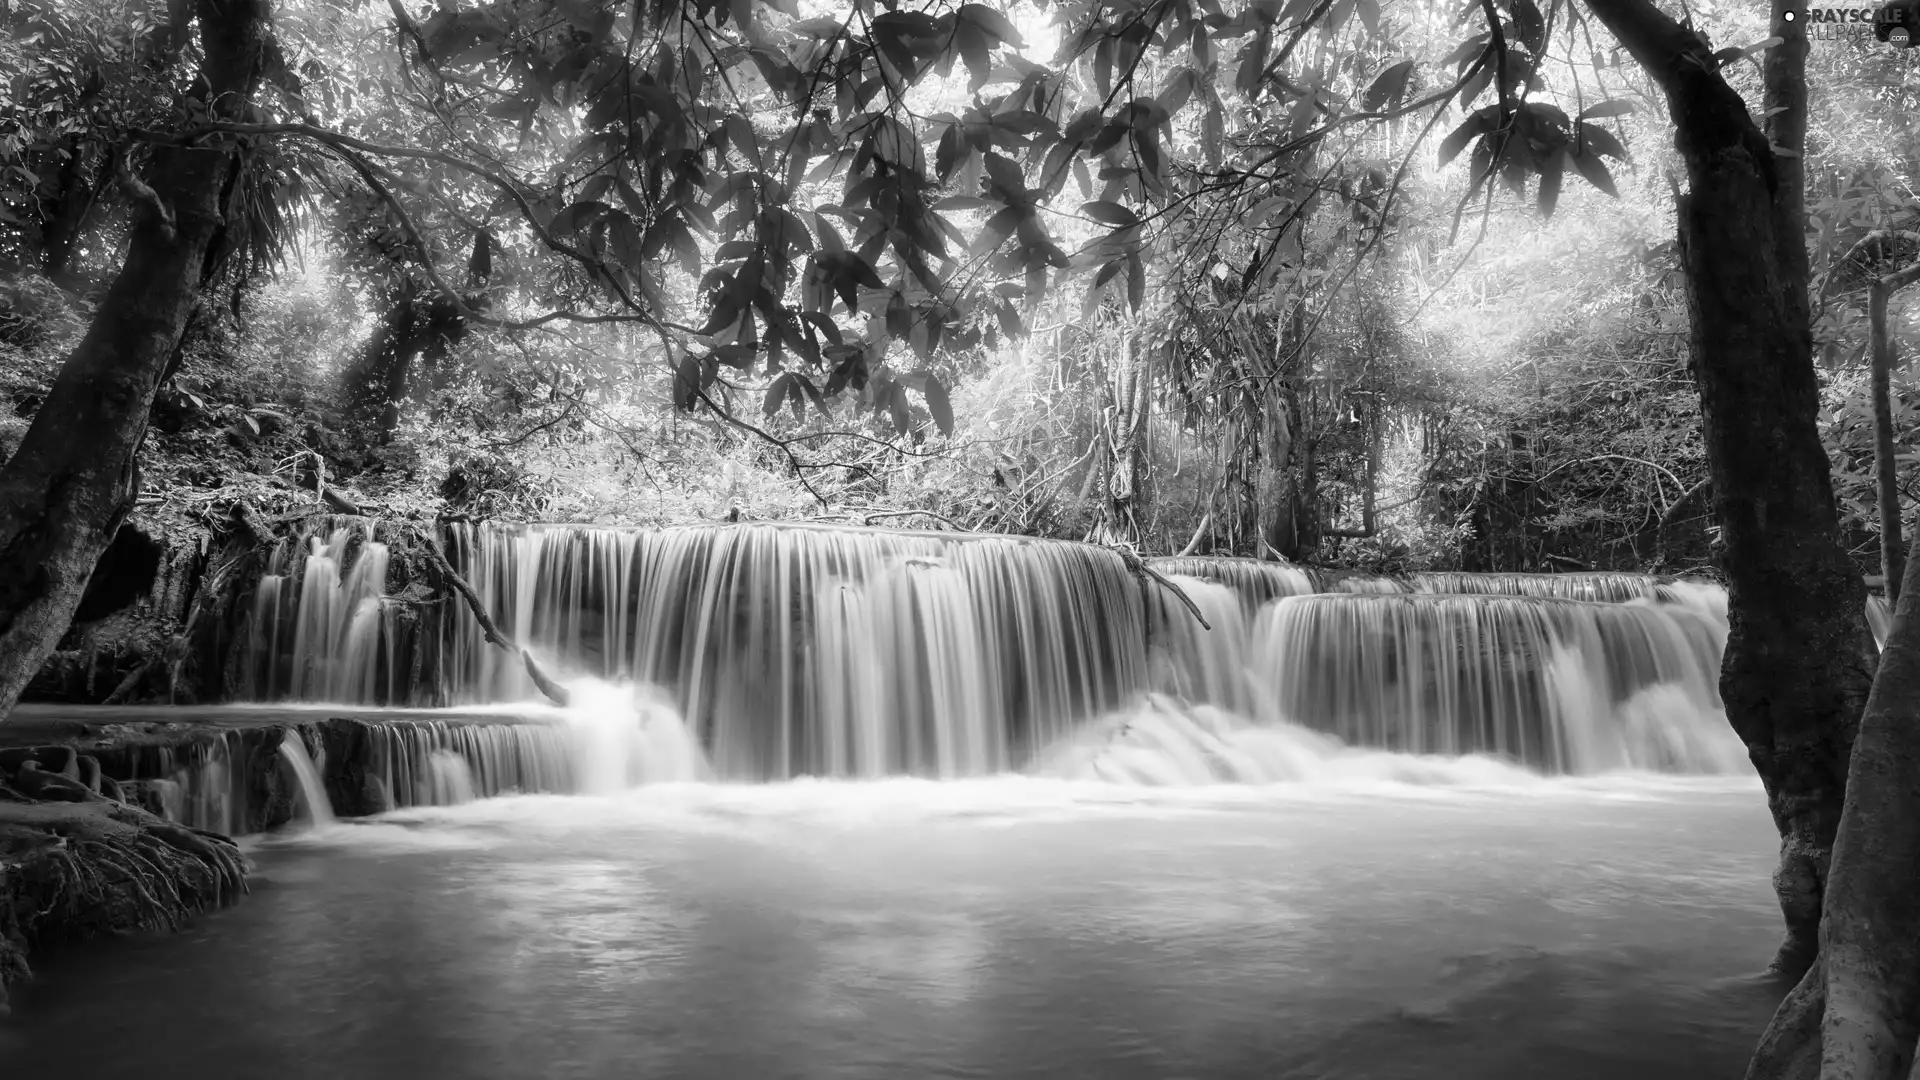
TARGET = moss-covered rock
(80,865)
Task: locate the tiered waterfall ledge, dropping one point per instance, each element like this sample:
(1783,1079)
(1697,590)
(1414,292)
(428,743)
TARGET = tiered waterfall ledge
(119,820)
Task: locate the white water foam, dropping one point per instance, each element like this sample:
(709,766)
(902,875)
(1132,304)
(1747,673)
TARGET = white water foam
(1163,741)
(628,734)
(313,792)
(1166,742)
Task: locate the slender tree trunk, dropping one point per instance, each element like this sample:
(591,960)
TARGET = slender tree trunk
(1798,661)
(1886,466)
(1275,499)
(1886,470)
(1125,495)
(1278,497)
(62,233)
(63,495)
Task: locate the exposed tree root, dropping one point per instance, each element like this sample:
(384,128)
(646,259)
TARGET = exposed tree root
(94,867)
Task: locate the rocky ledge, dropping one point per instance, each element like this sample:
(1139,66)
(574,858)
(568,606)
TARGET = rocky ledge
(76,863)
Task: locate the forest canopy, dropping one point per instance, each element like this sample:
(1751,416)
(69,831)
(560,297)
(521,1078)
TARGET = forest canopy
(1390,287)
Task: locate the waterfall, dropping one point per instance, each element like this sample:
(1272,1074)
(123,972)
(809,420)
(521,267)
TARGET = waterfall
(1254,581)
(313,792)
(409,762)
(793,650)
(760,651)
(1610,588)
(1548,682)
(1163,742)
(1879,619)
(1204,664)
(321,626)
(449,779)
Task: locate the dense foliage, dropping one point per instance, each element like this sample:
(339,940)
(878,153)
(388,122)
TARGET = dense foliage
(1254,278)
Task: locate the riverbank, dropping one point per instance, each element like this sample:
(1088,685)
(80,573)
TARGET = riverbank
(119,820)
(76,864)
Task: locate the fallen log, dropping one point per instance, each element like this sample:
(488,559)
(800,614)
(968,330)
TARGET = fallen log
(494,635)
(1139,568)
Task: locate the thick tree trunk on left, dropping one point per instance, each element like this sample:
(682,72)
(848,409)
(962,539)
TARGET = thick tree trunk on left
(73,480)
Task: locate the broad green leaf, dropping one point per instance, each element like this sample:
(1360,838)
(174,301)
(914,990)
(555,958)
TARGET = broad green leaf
(1595,170)
(776,393)
(1369,12)
(996,25)
(1532,27)
(686,383)
(1550,173)
(1389,86)
(1598,140)
(1615,107)
(938,405)
(1108,213)
(1474,126)
(576,216)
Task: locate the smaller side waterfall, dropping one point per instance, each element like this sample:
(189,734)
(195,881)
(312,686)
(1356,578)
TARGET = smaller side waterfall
(322,628)
(313,792)
(1255,582)
(1600,586)
(1562,685)
(1879,619)
(449,781)
(612,738)
(1203,664)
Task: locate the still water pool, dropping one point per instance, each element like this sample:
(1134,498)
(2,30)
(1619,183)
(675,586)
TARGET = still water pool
(1007,928)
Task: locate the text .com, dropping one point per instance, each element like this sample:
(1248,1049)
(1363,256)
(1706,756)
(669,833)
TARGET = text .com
(1897,23)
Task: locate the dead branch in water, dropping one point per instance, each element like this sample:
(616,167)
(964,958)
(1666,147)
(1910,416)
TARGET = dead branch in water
(1139,568)
(545,682)
(488,627)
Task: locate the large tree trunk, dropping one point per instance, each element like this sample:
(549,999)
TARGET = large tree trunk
(1798,659)
(1856,1014)
(73,480)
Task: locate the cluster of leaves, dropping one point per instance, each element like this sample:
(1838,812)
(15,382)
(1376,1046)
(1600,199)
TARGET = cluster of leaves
(78,73)
(767,189)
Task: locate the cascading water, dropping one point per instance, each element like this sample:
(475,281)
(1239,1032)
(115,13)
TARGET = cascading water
(1205,664)
(798,650)
(1254,581)
(1541,681)
(795,650)
(1604,587)
(313,791)
(321,627)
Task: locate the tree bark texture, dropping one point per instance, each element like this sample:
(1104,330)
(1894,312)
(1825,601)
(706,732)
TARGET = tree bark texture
(66,490)
(1125,502)
(1885,467)
(1856,1015)
(1799,660)
(1277,496)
